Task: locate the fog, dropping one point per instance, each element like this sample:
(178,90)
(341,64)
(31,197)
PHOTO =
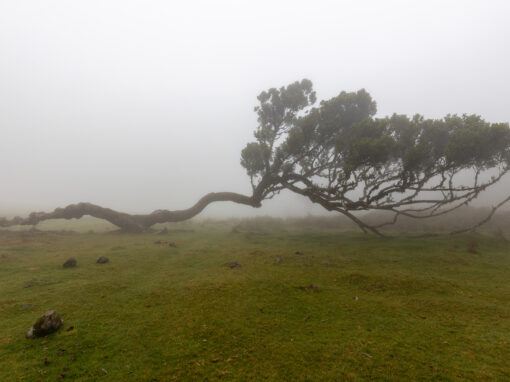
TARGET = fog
(138,105)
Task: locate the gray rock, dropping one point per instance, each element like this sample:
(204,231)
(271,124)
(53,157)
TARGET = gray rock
(48,323)
(233,264)
(103,260)
(70,263)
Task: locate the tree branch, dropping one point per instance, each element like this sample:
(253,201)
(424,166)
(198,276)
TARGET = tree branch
(127,222)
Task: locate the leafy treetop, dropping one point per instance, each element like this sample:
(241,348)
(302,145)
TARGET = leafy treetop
(340,156)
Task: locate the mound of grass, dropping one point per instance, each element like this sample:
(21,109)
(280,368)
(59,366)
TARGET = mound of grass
(348,308)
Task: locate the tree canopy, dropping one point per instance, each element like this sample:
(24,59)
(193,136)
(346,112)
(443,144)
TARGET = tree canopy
(340,156)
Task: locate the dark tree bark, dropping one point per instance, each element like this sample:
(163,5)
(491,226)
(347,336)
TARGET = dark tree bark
(132,223)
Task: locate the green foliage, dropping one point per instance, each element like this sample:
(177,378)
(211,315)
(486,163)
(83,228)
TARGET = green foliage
(278,110)
(345,127)
(254,157)
(327,152)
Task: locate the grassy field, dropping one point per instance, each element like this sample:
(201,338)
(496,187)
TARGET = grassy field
(349,308)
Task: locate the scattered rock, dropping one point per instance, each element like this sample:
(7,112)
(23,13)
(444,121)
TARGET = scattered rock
(233,264)
(116,248)
(103,260)
(169,243)
(70,263)
(48,323)
(278,260)
(26,305)
(31,283)
(309,288)
(299,253)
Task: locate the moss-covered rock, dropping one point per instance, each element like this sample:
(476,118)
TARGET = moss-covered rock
(48,323)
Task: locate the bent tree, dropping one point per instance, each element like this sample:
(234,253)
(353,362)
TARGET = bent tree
(341,157)
(338,155)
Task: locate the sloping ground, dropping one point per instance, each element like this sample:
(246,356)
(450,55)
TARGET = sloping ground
(348,308)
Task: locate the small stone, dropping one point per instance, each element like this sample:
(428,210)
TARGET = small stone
(103,260)
(172,244)
(309,288)
(70,328)
(70,263)
(299,253)
(26,305)
(278,260)
(48,323)
(233,264)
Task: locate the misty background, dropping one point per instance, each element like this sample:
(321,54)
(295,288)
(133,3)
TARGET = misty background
(144,105)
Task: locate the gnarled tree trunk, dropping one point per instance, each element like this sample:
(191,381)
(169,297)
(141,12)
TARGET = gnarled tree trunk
(131,223)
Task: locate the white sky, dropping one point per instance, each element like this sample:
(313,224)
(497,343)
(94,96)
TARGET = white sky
(140,105)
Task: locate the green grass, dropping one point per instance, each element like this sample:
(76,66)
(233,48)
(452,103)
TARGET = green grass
(382,310)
